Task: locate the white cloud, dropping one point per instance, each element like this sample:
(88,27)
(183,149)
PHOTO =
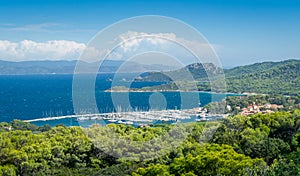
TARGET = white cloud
(132,43)
(31,50)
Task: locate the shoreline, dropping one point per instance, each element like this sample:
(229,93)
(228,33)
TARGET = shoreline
(141,91)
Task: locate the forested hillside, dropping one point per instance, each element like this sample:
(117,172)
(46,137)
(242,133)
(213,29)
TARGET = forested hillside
(267,77)
(256,67)
(280,78)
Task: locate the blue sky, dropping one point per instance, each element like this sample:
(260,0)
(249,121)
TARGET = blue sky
(247,31)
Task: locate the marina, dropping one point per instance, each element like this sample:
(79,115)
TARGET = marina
(138,118)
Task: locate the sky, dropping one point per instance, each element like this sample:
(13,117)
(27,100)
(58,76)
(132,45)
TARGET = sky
(245,31)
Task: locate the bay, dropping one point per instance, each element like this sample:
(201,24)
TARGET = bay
(28,97)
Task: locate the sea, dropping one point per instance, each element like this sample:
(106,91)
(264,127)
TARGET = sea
(28,97)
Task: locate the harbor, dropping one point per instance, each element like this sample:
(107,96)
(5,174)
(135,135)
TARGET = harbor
(136,118)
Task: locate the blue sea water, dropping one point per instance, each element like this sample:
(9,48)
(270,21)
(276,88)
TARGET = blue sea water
(35,96)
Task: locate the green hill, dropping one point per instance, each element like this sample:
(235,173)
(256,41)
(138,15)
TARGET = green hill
(276,78)
(266,77)
(198,71)
(256,67)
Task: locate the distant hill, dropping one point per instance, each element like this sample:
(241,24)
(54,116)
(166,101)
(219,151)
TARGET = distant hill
(256,67)
(197,70)
(67,67)
(40,67)
(266,77)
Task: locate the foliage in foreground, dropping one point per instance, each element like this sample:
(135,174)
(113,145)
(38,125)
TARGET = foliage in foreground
(261,144)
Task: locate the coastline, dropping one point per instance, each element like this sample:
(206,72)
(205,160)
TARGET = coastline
(141,91)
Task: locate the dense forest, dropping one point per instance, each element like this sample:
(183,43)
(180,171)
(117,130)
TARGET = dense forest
(261,144)
(267,77)
(277,78)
